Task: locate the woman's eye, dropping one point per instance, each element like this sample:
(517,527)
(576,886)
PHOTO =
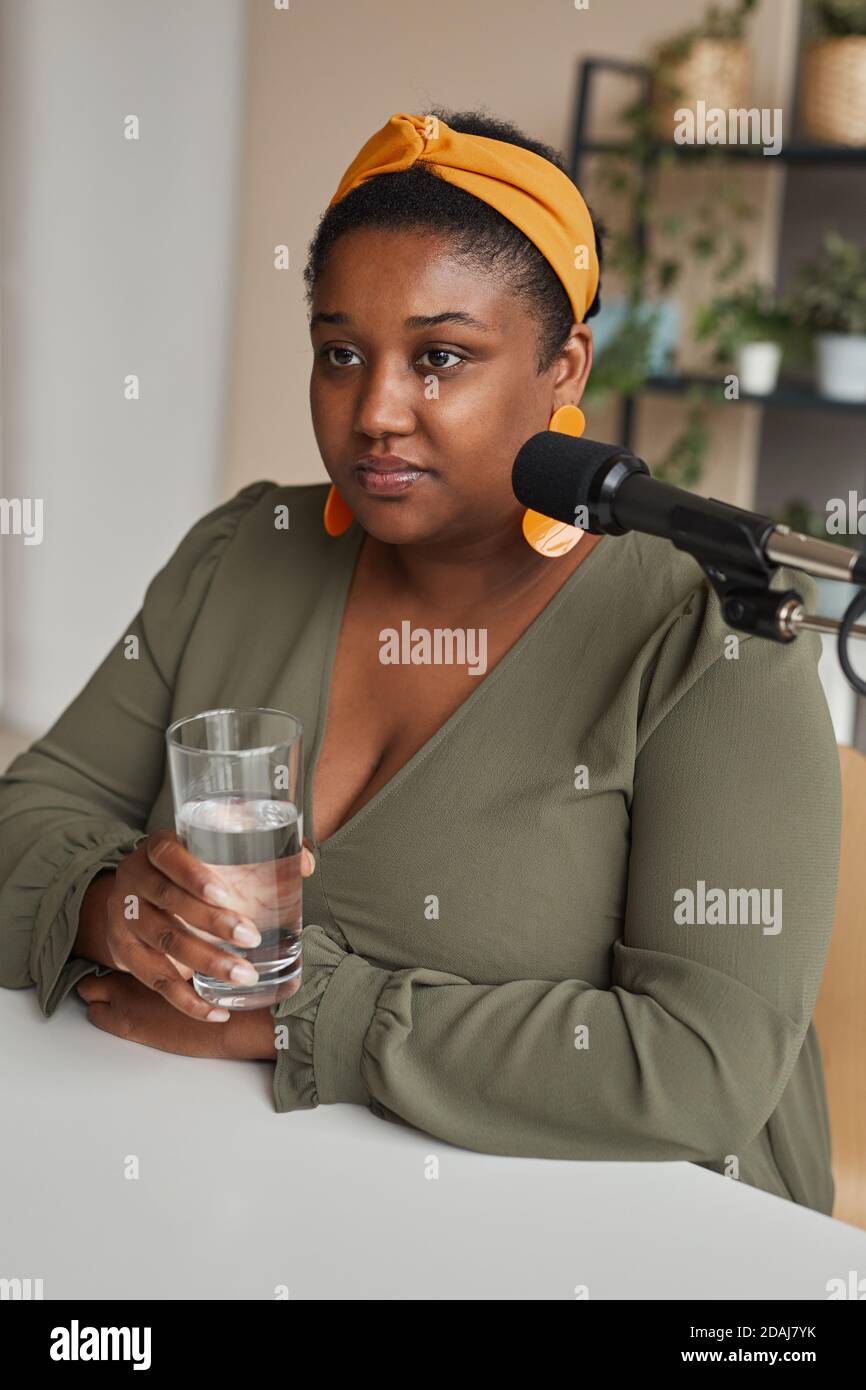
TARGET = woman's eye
(441,366)
(443,352)
(326,352)
(349,352)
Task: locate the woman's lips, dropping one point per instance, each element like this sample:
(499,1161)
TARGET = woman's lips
(383,482)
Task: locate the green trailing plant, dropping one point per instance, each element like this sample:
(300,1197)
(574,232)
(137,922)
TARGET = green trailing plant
(837,19)
(829,291)
(717,23)
(651,266)
(754,314)
(711,232)
(683,465)
(622,366)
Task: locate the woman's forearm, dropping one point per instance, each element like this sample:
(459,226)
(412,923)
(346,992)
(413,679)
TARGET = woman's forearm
(90,938)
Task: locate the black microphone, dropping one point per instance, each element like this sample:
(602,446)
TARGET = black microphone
(604,489)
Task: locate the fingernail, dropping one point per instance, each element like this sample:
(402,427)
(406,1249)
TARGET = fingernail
(309,861)
(244,974)
(218,1016)
(215,893)
(247,936)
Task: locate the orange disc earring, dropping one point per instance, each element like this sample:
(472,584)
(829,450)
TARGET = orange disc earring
(338,515)
(544,533)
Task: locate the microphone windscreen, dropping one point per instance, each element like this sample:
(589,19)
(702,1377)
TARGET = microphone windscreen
(553,472)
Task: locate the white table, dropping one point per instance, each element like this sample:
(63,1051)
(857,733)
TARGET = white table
(234,1199)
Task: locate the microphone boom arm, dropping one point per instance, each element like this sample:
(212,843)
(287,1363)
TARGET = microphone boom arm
(726,542)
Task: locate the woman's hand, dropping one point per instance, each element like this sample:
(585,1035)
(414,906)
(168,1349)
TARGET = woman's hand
(152,887)
(122,1005)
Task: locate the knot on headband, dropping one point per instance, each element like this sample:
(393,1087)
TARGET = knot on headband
(524,187)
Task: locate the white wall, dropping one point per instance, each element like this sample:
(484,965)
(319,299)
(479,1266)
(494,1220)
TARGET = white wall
(118,257)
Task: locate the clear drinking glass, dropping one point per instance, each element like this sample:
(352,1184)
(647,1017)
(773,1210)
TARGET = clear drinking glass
(237,782)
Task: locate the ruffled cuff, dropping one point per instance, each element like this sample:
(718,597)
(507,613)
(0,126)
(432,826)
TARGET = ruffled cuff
(41,900)
(320,1030)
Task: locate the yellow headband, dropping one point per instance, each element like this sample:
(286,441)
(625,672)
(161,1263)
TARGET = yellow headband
(530,191)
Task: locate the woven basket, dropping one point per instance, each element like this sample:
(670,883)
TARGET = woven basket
(717,71)
(834,90)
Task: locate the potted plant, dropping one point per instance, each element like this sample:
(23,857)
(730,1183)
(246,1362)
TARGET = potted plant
(623,346)
(749,328)
(829,294)
(710,61)
(638,333)
(834,72)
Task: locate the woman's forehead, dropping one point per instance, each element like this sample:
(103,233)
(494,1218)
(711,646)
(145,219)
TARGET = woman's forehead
(410,273)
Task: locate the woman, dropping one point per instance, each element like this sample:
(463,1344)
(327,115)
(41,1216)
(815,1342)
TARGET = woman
(507,944)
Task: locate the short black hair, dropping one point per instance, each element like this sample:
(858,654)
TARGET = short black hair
(418,197)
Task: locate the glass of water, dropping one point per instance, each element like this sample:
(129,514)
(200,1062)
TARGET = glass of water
(237,782)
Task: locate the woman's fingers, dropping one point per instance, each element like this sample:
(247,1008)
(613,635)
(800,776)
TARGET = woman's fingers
(168,855)
(188,887)
(164,935)
(184,971)
(154,970)
(164,893)
(184,913)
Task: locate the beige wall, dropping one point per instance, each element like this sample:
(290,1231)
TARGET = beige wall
(323,77)
(119,259)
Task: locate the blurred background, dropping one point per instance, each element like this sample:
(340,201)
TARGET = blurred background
(163,168)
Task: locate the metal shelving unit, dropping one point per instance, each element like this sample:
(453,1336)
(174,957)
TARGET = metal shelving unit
(790,393)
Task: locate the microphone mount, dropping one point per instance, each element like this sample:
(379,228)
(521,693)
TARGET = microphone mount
(740,552)
(731,546)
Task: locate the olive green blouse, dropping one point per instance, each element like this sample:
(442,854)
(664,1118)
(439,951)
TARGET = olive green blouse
(517,945)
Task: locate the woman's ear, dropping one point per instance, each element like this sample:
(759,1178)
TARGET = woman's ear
(573,365)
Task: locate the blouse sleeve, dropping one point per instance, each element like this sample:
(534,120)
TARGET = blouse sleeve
(78,799)
(687,1053)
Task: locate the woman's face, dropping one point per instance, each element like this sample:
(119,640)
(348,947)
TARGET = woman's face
(456,397)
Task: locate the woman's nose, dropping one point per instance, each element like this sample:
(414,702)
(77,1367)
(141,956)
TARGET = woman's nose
(386,402)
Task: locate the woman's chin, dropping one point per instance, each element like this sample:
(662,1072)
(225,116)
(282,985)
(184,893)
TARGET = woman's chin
(396,517)
(395,530)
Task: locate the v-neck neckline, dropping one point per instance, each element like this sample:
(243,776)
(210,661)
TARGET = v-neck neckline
(342,579)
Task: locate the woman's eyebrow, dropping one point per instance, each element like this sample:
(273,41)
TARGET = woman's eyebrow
(416,321)
(450,316)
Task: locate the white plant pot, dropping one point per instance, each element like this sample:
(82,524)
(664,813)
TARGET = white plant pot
(758,367)
(841,365)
